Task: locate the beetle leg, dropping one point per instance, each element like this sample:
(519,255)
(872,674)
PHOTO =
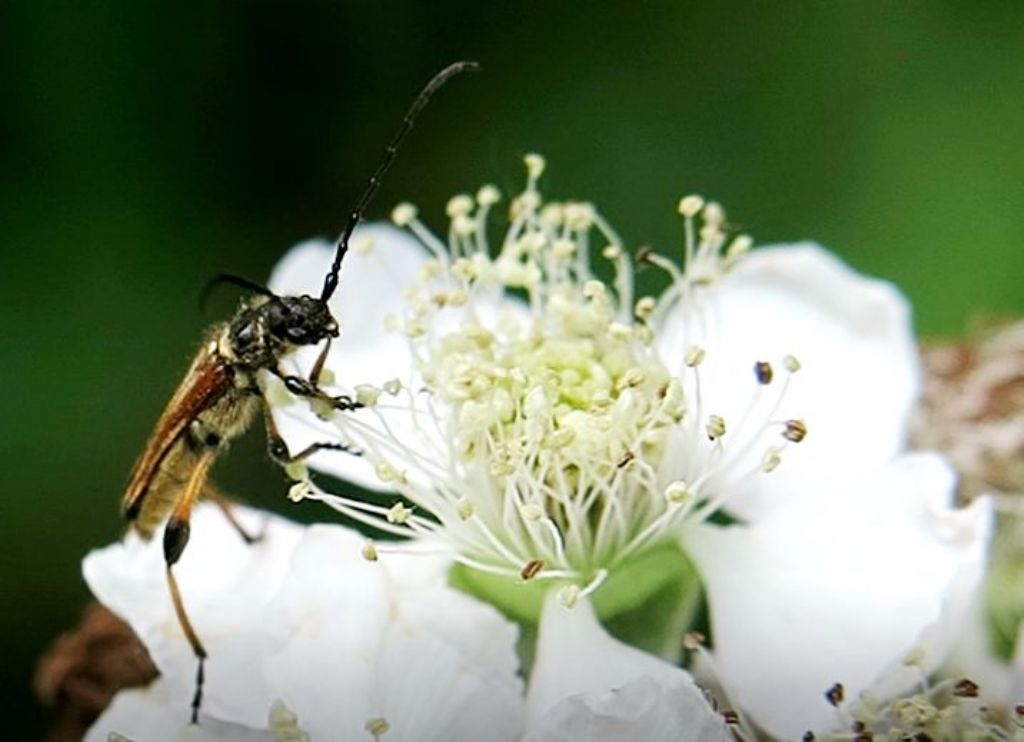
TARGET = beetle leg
(303,387)
(176,534)
(312,448)
(226,506)
(318,367)
(278,449)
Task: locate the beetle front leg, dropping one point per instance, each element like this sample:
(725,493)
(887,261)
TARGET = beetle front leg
(278,449)
(303,387)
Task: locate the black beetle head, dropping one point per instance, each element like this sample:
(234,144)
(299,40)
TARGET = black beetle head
(300,320)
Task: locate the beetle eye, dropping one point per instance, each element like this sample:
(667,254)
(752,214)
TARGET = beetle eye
(245,333)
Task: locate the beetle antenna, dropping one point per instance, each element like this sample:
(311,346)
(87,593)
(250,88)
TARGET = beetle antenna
(230,278)
(341,246)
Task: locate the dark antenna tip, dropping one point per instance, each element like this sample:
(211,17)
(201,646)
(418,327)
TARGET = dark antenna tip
(420,102)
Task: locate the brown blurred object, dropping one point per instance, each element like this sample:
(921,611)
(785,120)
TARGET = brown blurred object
(972,409)
(84,668)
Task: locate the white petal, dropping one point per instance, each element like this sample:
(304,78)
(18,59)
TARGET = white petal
(666,710)
(149,715)
(224,583)
(303,618)
(835,587)
(371,288)
(851,334)
(587,685)
(365,643)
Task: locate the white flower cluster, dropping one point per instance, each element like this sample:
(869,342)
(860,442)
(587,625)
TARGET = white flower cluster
(527,419)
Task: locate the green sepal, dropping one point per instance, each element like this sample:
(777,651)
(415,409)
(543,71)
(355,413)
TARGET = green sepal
(648,601)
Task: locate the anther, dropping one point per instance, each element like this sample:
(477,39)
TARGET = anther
(488,195)
(835,694)
(569,595)
(594,289)
(695,356)
(464,509)
(399,514)
(690,206)
(299,491)
(563,249)
(634,376)
(463,224)
(579,215)
(403,214)
(552,215)
(460,204)
(369,551)
(284,723)
(387,473)
(560,438)
(796,431)
(531,569)
(714,214)
(763,372)
(771,460)
(377,727)
(915,657)
(619,331)
(965,688)
(367,394)
(677,492)
(738,248)
(531,511)
(791,363)
(644,308)
(693,640)
(534,165)
(611,252)
(715,427)
(464,269)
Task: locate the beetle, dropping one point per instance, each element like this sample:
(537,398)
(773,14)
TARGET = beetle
(222,394)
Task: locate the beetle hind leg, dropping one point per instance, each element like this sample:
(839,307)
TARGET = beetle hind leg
(176,536)
(193,639)
(226,506)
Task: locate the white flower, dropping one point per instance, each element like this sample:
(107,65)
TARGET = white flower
(309,641)
(548,425)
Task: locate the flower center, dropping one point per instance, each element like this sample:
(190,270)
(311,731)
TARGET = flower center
(553,440)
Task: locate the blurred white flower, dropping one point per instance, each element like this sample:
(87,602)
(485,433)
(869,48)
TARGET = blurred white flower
(547,425)
(309,641)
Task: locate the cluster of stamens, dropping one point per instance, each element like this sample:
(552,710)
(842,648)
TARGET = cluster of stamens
(553,438)
(939,710)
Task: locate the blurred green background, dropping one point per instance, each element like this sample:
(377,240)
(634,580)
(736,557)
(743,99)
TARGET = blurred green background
(147,146)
